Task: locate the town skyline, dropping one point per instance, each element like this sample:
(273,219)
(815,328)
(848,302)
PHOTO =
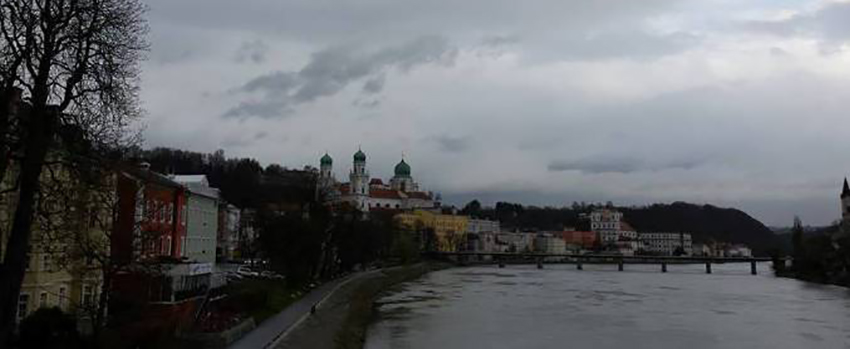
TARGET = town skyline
(732,104)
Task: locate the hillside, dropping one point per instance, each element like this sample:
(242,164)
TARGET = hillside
(704,222)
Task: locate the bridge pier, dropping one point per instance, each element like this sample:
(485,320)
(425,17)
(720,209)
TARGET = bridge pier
(539,264)
(663,267)
(753,268)
(578,264)
(708,267)
(501,263)
(620,265)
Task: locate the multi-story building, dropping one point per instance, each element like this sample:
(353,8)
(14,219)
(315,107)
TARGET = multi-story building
(450,230)
(612,233)
(228,231)
(666,244)
(606,224)
(549,243)
(475,226)
(516,241)
(201,218)
(579,240)
(61,268)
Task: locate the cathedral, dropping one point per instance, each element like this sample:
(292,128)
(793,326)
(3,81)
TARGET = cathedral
(368,194)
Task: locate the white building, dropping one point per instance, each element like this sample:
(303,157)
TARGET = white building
(201,219)
(366,193)
(228,231)
(666,244)
(613,233)
(548,243)
(738,251)
(475,226)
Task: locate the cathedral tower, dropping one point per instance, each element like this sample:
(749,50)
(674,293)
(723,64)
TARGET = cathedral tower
(359,176)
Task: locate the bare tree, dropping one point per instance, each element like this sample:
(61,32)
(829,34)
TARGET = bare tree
(77,62)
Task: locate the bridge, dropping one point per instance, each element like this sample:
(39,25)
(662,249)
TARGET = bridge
(503,258)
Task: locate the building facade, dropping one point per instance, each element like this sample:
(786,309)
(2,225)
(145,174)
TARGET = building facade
(449,230)
(549,243)
(476,226)
(666,244)
(228,231)
(201,219)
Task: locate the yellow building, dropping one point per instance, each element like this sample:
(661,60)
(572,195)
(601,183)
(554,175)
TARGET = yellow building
(450,230)
(67,241)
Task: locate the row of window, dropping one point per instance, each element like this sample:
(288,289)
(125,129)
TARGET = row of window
(87,297)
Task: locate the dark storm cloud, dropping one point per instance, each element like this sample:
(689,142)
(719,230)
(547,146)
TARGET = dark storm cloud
(333,69)
(622,165)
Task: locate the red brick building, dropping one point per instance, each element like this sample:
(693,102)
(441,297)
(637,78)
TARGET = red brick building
(150,223)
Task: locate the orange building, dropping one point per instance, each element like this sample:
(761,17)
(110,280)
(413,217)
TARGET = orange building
(583,239)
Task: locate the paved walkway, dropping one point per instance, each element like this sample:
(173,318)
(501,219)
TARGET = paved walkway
(271,330)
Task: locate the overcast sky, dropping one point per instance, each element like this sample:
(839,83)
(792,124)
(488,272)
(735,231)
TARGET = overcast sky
(729,102)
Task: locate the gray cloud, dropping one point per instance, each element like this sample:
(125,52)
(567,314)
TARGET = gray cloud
(374,85)
(451,144)
(252,51)
(332,69)
(622,165)
(830,23)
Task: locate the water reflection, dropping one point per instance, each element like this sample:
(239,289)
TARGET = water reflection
(599,307)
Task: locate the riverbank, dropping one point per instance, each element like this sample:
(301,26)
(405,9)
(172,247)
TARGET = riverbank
(343,318)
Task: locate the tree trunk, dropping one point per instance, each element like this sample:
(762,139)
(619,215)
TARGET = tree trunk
(6,106)
(42,126)
(102,302)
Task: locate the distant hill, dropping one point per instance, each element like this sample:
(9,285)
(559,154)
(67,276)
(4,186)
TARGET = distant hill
(704,222)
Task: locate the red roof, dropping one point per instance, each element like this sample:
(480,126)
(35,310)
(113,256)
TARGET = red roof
(376,181)
(384,194)
(419,195)
(626,227)
(344,189)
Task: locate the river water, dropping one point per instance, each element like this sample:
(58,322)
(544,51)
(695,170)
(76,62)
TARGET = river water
(599,307)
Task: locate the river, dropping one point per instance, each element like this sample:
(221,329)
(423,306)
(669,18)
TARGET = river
(599,307)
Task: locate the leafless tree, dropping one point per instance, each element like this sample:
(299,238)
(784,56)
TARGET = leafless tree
(77,63)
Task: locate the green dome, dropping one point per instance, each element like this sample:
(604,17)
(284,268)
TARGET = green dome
(402,169)
(327,160)
(359,156)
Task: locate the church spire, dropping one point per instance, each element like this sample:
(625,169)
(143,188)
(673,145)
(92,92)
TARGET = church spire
(845,192)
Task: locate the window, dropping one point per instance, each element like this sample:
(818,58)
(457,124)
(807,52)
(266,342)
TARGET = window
(87,296)
(62,297)
(45,263)
(23,303)
(42,300)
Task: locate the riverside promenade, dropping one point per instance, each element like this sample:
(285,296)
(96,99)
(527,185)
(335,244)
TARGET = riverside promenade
(274,329)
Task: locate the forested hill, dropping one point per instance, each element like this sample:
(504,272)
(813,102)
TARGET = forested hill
(704,222)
